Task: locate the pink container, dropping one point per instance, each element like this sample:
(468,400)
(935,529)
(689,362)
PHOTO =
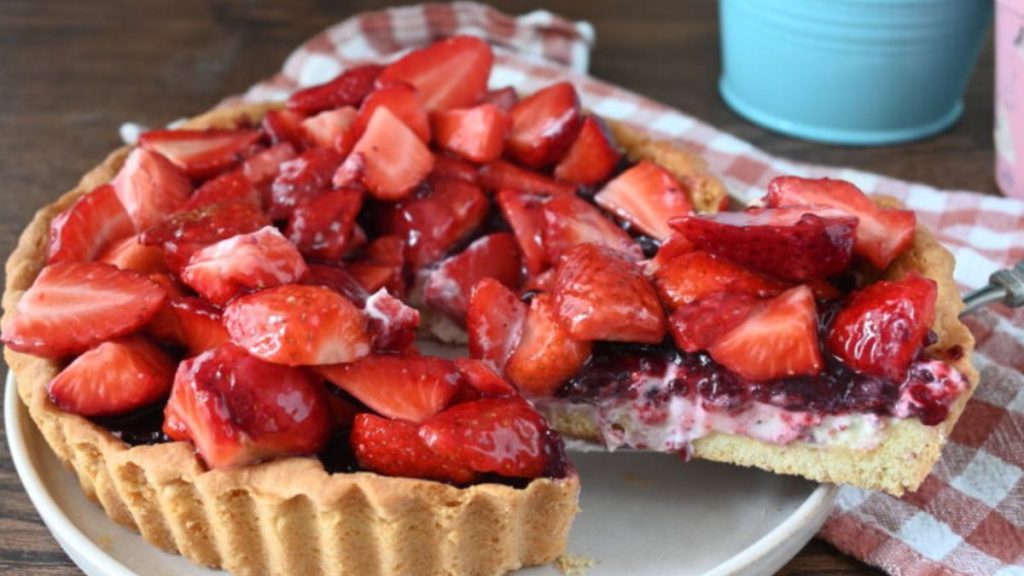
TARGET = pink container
(1009,125)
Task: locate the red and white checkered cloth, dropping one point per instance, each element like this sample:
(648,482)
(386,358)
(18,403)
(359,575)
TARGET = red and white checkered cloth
(968,517)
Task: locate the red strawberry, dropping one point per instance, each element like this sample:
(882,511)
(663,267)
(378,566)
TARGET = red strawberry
(646,196)
(394,448)
(346,89)
(599,295)
(448,287)
(193,323)
(305,177)
(694,275)
(229,187)
(403,101)
(477,133)
(544,125)
(494,321)
(84,229)
(239,410)
(500,175)
(115,377)
(411,388)
(336,279)
(392,323)
(130,254)
(883,326)
(254,261)
(671,248)
(696,325)
(332,129)
(73,306)
(547,355)
(285,127)
(452,73)
(201,153)
(373,159)
(505,436)
(382,266)
(451,167)
(543,282)
(592,157)
(343,412)
(572,221)
(882,234)
(185,233)
(434,221)
(321,226)
(482,377)
(778,339)
(793,244)
(150,187)
(298,326)
(504,98)
(525,214)
(263,166)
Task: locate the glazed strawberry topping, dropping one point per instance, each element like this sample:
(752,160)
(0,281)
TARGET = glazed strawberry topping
(692,276)
(394,447)
(592,158)
(91,224)
(449,285)
(544,125)
(646,196)
(200,153)
(448,74)
(150,187)
(546,355)
(346,89)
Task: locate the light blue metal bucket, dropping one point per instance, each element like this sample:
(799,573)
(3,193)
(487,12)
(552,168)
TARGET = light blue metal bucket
(850,71)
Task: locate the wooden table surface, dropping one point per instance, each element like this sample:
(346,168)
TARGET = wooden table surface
(72,71)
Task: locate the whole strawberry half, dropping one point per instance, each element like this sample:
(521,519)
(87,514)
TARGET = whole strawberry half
(882,327)
(394,448)
(694,275)
(544,125)
(451,73)
(83,230)
(238,410)
(494,322)
(646,196)
(73,306)
(150,187)
(546,355)
(599,295)
(201,153)
(116,377)
(346,89)
(793,244)
(449,285)
(298,326)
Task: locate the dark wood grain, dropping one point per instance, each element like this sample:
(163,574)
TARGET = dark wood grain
(72,71)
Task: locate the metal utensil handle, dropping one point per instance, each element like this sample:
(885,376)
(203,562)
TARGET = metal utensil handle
(1006,286)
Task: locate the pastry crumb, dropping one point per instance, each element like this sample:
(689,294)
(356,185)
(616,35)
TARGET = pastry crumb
(574,564)
(106,543)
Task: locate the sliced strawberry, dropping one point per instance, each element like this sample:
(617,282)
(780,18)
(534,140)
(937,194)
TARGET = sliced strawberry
(882,234)
(435,220)
(778,339)
(476,134)
(883,326)
(201,153)
(193,323)
(150,187)
(304,177)
(543,282)
(411,388)
(285,127)
(482,377)
(343,412)
(547,355)
(115,377)
(82,231)
(394,448)
(336,279)
(73,306)
(525,214)
(494,321)
(254,261)
(451,167)
(505,436)
(696,325)
(185,233)
(501,175)
(592,157)
(332,129)
(298,326)
(373,159)
(599,295)
(263,166)
(452,73)
(321,226)
(449,285)
(793,244)
(130,254)
(228,187)
(572,221)
(646,196)
(391,322)
(694,275)
(346,89)
(671,248)
(544,125)
(403,101)
(505,98)
(382,266)
(238,410)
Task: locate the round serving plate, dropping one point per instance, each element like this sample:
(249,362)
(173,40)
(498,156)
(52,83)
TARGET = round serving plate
(641,513)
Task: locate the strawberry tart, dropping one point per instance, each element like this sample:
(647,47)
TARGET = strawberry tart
(217,329)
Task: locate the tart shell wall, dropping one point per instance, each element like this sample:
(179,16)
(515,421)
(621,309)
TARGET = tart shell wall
(287,516)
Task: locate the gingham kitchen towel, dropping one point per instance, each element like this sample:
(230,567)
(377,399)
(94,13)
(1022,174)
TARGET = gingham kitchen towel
(968,517)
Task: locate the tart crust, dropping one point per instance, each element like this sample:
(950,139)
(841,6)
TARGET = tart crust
(908,448)
(287,516)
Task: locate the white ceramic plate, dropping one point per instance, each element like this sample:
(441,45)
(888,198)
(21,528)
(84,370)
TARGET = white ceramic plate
(648,514)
